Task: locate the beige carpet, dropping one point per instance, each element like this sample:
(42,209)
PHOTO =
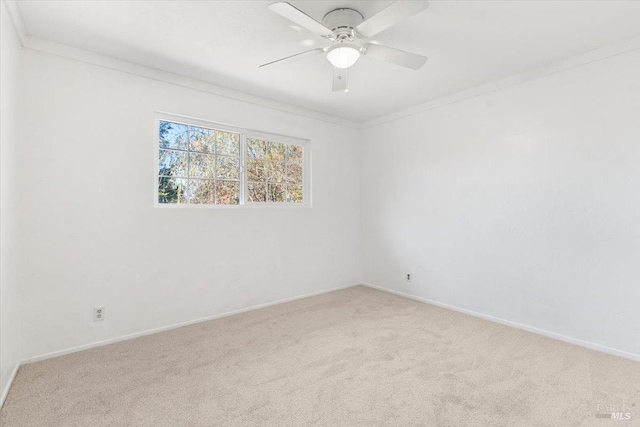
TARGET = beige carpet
(356,357)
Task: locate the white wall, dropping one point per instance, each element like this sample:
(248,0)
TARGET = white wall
(9,291)
(522,204)
(91,234)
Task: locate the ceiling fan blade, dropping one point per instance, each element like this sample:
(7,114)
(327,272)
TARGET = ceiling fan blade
(296,57)
(340,79)
(395,56)
(295,15)
(389,16)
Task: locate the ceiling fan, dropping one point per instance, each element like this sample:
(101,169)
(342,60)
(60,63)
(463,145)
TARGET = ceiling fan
(344,28)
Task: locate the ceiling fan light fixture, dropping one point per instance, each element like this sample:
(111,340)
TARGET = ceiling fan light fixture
(343,55)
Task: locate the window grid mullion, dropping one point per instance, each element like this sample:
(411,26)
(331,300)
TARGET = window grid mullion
(266,175)
(286,180)
(215,168)
(243,170)
(188,180)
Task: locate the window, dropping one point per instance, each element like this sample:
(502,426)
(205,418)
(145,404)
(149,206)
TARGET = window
(274,171)
(203,164)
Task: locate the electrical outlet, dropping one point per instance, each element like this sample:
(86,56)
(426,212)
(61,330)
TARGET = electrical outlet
(408,277)
(98,314)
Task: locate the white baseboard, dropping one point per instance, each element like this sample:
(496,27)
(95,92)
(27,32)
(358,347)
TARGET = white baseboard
(5,392)
(176,325)
(570,340)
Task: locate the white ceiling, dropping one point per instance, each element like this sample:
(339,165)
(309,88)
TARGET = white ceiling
(223,42)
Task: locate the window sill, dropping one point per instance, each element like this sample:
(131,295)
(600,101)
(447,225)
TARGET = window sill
(245,206)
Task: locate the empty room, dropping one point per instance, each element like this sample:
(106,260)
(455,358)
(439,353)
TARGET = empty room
(328,213)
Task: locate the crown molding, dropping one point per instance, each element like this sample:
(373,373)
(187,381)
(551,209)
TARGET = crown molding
(16,19)
(48,47)
(594,55)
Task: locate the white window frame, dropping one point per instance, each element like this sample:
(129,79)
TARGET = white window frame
(244,134)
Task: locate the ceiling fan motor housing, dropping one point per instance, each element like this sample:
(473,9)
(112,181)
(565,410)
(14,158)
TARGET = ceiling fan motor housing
(342,22)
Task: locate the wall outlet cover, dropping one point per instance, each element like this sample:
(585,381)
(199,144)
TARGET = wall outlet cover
(98,314)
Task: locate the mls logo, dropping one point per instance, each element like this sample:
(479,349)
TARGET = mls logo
(619,412)
(621,415)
